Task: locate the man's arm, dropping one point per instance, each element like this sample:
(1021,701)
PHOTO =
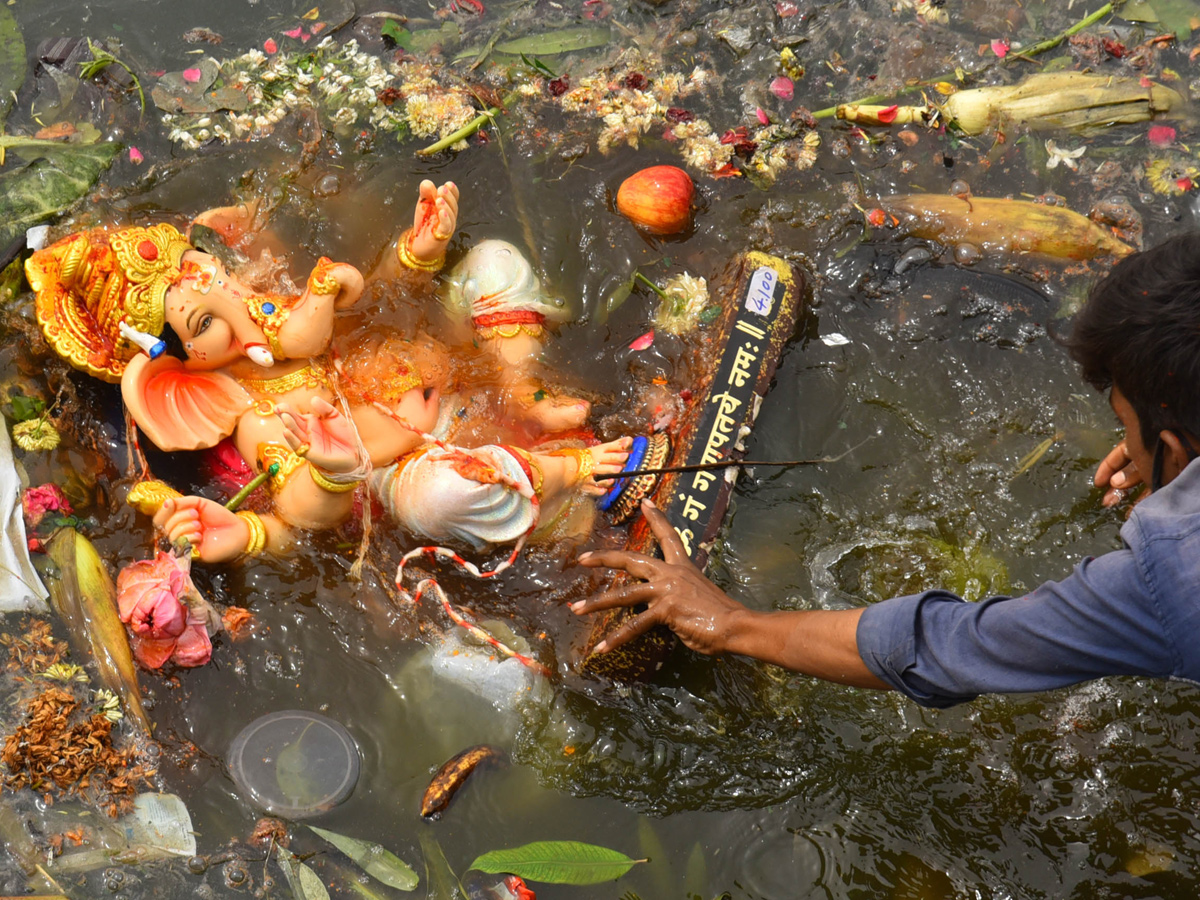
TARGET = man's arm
(821,643)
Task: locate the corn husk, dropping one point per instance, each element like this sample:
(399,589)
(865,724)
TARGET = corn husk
(1068,100)
(999,226)
(84,596)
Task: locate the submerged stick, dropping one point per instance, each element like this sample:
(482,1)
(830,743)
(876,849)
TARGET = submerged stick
(730,463)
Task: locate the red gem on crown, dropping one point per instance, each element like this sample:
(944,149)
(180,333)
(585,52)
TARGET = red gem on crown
(147,251)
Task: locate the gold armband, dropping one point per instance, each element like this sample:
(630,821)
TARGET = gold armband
(288,461)
(405,255)
(269,313)
(334,487)
(321,281)
(258,533)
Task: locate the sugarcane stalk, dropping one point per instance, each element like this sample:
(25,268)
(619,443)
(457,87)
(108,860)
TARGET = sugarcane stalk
(251,486)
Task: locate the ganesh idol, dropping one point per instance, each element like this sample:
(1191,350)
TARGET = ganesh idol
(202,357)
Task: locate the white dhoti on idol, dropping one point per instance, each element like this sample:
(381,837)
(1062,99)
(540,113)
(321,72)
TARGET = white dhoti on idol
(495,288)
(431,493)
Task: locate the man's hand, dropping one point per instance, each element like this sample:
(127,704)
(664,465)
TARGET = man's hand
(1119,475)
(676,592)
(822,643)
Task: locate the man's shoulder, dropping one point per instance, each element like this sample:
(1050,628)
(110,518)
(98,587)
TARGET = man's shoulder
(1171,513)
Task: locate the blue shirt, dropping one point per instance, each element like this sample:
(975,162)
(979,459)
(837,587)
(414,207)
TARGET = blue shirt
(1135,611)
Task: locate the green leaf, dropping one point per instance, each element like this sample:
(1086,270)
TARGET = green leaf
(558,862)
(26,408)
(12,60)
(538,66)
(397,32)
(374,859)
(301,879)
(1139,11)
(46,187)
(293,773)
(1176,16)
(552,42)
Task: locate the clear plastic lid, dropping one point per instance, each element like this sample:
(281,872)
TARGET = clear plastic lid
(295,763)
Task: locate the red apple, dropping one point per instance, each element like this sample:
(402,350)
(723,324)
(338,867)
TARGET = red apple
(657,199)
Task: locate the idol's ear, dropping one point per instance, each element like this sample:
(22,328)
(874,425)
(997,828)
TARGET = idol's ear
(180,409)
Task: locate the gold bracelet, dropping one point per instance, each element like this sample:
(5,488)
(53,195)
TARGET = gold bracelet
(258,532)
(321,282)
(405,255)
(334,487)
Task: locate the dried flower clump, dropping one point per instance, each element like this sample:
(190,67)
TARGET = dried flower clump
(932,11)
(59,748)
(37,650)
(685,298)
(1172,175)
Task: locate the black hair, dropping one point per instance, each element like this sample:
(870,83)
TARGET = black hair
(1140,331)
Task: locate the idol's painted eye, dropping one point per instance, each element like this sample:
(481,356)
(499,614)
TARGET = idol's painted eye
(204,323)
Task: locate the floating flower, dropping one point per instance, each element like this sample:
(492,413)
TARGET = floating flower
(1000,47)
(270,46)
(686,297)
(36,434)
(1066,157)
(135,156)
(191,76)
(165,613)
(1161,135)
(36,502)
(1171,176)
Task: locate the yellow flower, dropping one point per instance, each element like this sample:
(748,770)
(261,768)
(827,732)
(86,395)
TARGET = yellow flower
(65,672)
(1171,176)
(36,434)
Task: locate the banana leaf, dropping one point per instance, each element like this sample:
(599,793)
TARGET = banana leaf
(12,60)
(50,184)
(83,595)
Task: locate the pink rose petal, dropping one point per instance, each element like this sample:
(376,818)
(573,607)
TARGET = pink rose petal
(1000,48)
(644,341)
(135,156)
(294,33)
(193,647)
(191,76)
(762,116)
(783,88)
(318,27)
(1161,135)
(270,46)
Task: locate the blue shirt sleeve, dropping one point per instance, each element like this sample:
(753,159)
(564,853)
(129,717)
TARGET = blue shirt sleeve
(940,650)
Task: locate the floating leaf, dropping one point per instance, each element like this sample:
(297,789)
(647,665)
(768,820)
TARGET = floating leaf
(538,66)
(552,42)
(26,408)
(374,859)
(396,32)
(293,773)
(312,14)
(301,879)
(49,185)
(558,862)
(1176,16)
(12,60)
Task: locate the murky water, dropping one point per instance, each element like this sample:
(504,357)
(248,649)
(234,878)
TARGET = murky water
(729,776)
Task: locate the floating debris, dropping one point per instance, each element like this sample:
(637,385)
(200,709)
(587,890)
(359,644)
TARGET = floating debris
(451,776)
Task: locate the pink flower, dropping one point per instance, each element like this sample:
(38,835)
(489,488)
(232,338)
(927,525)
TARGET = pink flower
(135,156)
(1161,135)
(191,76)
(164,612)
(783,87)
(38,501)
(270,46)
(762,116)
(644,341)
(294,33)
(1000,48)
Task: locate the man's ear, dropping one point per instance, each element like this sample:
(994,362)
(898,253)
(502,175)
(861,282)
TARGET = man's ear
(1175,454)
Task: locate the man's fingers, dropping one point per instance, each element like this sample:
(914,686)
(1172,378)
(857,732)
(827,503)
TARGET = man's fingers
(627,631)
(635,564)
(1115,461)
(627,595)
(668,538)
